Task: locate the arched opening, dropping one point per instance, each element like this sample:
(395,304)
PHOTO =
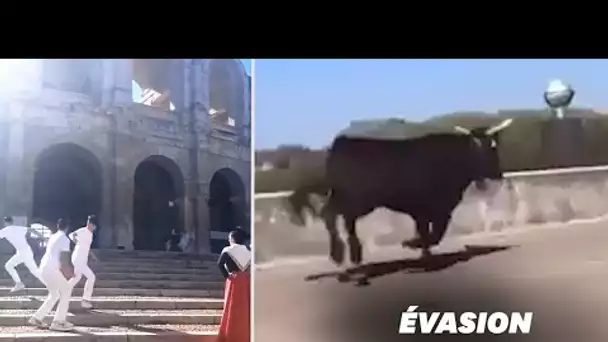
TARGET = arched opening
(227,206)
(152,82)
(157,202)
(226,92)
(67,184)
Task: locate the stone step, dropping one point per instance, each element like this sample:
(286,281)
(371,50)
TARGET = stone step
(151,259)
(119,303)
(164,270)
(28,277)
(158,284)
(121,317)
(135,269)
(135,333)
(105,256)
(156,265)
(154,254)
(161,276)
(116,292)
(141,262)
(133,284)
(152,263)
(115,253)
(167,260)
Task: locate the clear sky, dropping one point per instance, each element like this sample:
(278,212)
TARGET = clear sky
(247,64)
(308,101)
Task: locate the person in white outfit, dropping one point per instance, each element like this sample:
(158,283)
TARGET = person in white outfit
(83,238)
(17,236)
(56,269)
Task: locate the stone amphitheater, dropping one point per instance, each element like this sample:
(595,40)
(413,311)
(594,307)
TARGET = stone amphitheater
(149,146)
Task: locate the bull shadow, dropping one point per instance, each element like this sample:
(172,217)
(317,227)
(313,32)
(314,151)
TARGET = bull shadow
(361,275)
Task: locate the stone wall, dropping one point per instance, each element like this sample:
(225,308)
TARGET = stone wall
(524,198)
(118,134)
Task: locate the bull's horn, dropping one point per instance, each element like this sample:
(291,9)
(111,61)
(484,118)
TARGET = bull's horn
(499,127)
(462,130)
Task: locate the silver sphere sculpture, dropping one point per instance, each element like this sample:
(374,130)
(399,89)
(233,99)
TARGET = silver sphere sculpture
(559,96)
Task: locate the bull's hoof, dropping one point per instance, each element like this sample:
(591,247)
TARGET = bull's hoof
(426,253)
(337,253)
(337,258)
(356,251)
(356,256)
(363,282)
(412,243)
(343,278)
(435,242)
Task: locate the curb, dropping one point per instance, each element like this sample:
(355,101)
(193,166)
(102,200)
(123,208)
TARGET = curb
(109,336)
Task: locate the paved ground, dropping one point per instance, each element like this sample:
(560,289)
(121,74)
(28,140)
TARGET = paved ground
(559,272)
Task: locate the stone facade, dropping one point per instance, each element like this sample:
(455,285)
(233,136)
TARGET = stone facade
(90,109)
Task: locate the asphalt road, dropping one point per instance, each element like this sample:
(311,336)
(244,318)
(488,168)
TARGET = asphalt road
(560,272)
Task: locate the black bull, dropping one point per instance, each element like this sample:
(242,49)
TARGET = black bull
(423,177)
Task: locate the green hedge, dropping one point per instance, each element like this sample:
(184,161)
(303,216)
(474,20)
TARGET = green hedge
(521,145)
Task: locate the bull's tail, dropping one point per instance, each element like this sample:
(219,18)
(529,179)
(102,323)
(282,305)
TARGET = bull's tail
(300,200)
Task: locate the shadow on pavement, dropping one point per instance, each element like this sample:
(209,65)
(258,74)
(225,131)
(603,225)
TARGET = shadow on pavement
(361,275)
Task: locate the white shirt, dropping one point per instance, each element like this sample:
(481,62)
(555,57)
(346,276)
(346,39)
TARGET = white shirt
(240,255)
(83,238)
(16,235)
(58,242)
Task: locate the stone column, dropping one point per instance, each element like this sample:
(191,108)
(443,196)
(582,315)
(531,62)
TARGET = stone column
(19,177)
(203,236)
(4,140)
(123,81)
(200,128)
(246,129)
(117,82)
(108,81)
(123,206)
(117,93)
(188,213)
(186,108)
(242,103)
(201,84)
(107,234)
(179,84)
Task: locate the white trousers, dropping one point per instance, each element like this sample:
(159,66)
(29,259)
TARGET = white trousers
(59,290)
(83,269)
(26,257)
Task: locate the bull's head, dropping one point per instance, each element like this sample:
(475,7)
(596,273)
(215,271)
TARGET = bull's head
(484,142)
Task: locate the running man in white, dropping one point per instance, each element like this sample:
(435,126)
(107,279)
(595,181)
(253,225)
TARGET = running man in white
(83,238)
(56,269)
(17,236)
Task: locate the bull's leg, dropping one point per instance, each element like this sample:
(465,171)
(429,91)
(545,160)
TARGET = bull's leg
(422,234)
(336,246)
(356,250)
(423,237)
(440,226)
